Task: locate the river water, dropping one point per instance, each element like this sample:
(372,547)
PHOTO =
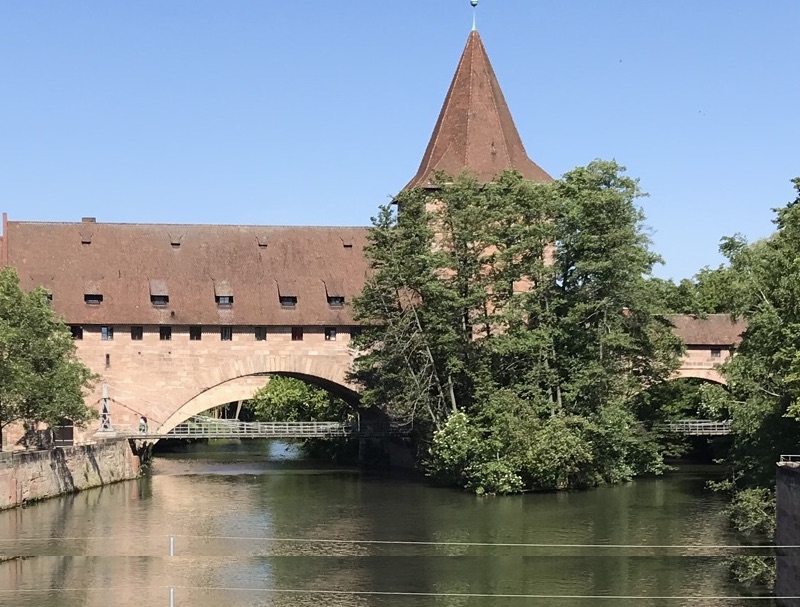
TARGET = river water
(255,524)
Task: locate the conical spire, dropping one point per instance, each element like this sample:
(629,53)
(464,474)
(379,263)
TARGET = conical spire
(475,130)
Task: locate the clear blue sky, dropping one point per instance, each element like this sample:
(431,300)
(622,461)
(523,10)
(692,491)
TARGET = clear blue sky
(315,112)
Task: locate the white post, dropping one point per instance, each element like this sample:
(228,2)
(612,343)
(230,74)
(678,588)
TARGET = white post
(171,596)
(172,545)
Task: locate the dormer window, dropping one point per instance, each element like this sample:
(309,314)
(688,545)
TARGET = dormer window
(334,291)
(335,301)
(223,294)
(93,299)
(288,301)
(159,295)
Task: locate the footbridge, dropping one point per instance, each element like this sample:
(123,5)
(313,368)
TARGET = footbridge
(202,427)
(699,427)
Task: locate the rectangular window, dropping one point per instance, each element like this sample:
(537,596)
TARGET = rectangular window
(330,334)
(224,301)
(335,302)
(355,332)
(226,333)
(716,353)
(165,333)
(297,333)
(195,333)
(288,301)
(106,333)
(93,299)
(261,334)
(137,333)
(77,331)
(159,300)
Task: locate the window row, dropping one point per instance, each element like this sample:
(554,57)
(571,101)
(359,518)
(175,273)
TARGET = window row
(196,333)
(288,302)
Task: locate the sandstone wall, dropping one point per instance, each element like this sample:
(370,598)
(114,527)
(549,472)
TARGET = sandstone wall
(788,533)
(33,475)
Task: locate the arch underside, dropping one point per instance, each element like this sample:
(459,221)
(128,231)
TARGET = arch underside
(710,375)
(240,379)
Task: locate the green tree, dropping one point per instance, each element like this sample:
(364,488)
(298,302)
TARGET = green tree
(761,284)
(41,378)
(524,309)
(287,399)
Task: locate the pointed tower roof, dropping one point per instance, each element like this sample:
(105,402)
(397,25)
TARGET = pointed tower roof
(475,130)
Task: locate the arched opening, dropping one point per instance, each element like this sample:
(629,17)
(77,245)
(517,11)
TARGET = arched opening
(241,390)
(683,415)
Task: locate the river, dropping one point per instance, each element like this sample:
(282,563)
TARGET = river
(254,524)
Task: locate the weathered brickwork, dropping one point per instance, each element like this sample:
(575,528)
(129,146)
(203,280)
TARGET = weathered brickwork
(35,475)
(167,381)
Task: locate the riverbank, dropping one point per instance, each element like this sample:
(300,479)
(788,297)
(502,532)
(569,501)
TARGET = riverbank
(29,476)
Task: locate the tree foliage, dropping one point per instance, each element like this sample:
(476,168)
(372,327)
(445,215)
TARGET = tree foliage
(512,322)
(287,399)
(41,378)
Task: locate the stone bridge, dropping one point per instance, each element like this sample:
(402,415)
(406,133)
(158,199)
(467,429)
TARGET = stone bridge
(170,381)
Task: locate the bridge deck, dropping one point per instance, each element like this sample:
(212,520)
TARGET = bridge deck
(207,427)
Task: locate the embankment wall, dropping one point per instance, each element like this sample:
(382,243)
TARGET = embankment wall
(27,476)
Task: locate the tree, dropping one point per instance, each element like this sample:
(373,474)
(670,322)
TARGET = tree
(517,313)
(761,284)
(287,399)
(41,378)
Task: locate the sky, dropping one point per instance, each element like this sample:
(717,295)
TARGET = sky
(312,112)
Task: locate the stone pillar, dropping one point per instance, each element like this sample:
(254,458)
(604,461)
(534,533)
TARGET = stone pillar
(787,533)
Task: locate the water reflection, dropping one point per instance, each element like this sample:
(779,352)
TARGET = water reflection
(227,505)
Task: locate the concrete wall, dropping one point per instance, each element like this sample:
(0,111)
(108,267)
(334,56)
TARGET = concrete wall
(788,532)
(34,475)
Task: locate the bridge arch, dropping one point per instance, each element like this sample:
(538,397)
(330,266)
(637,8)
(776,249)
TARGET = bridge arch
(711,375)
(239,379)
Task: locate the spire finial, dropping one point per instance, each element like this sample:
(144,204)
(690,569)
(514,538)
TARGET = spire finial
(474,4)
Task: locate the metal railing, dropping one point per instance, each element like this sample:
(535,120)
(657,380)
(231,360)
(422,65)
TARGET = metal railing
(699,427)
(209,427)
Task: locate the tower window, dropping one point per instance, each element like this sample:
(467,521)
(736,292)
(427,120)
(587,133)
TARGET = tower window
(261,334)
(106,333)
(137,333)
(165,333)
(226,333)
(195,333)
(297,333)
(93,299)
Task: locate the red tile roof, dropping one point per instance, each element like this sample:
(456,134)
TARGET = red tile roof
(713,330)
(127,263)
(475,130)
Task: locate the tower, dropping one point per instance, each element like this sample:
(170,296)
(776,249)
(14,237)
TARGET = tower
(475,130)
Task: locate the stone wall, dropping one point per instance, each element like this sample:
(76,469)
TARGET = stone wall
(27,476)
(157,378)
(788,532)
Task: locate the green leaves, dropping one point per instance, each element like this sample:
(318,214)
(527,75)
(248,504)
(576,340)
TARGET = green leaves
(292,400)
(41,378)
(511,321)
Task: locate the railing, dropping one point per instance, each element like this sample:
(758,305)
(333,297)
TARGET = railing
(699,427)
(209,427)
